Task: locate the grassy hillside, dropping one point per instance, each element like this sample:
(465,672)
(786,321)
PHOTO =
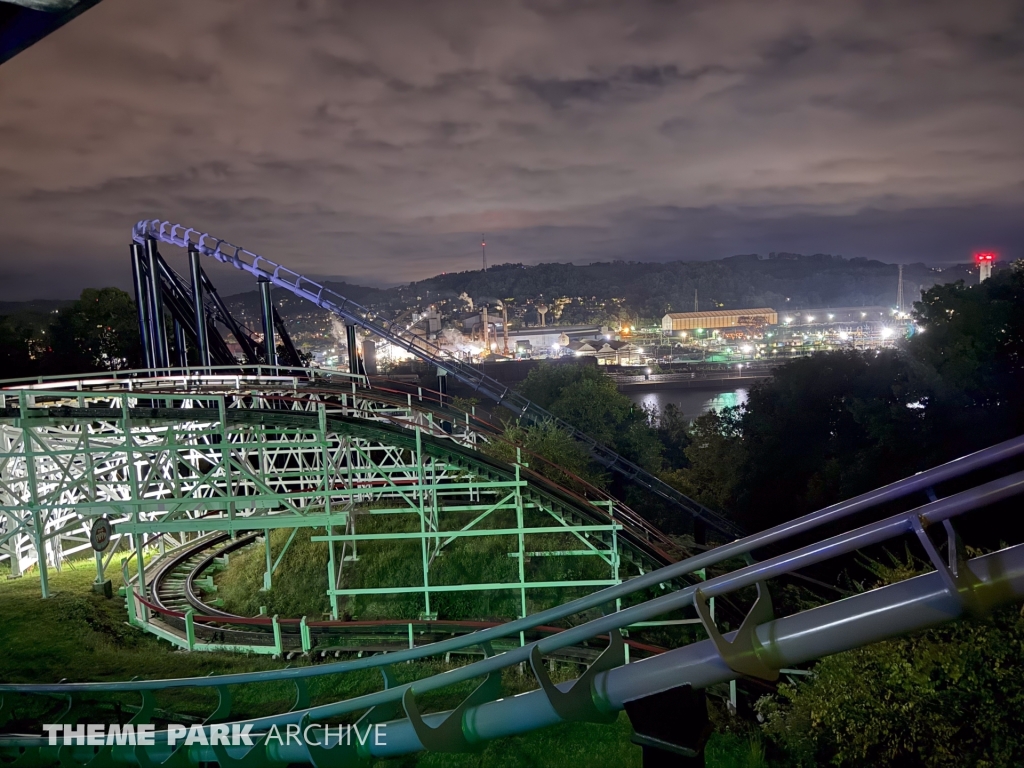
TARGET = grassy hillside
(300,583)
(77,635)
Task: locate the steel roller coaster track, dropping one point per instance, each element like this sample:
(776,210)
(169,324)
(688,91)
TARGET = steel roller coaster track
(761,646)
(395,333)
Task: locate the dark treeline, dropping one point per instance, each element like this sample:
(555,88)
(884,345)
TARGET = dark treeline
(98,332)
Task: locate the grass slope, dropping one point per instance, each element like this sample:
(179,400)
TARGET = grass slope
(78,636)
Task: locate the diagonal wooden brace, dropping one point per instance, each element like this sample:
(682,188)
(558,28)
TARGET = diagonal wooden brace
(744,653)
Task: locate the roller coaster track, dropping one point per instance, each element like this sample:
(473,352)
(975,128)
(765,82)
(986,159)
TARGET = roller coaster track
(173,590)
(931,501)
(302,393)
(395,333)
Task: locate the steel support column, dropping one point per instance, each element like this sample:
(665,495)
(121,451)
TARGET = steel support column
(179,345)
(158,332)
(198,307)
(141,284)
(353,350)
(267,308)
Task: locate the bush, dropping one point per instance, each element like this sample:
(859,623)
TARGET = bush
(950,696)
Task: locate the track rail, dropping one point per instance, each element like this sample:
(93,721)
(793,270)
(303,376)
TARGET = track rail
(759,648)
(189,562)
(303,287)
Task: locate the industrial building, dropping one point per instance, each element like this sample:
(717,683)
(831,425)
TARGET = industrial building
(719,318)
(533,341)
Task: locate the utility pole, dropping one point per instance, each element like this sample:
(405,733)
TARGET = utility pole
(696,307)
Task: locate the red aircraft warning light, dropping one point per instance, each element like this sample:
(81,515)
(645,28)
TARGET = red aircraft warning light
(984,260)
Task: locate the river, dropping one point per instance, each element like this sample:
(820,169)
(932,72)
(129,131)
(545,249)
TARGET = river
(692,402)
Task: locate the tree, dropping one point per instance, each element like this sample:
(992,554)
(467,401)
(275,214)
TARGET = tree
(825,428)
(714,454)
(16,349)
(564,459)
(951,696)
(99,332)
(584,397)
(674,433)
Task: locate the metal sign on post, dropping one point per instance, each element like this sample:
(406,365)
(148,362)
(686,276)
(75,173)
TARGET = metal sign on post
(102,530)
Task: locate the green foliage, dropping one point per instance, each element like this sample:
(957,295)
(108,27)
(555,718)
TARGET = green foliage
(674,433)
(951,696)
(564,458)
(588,400)
(16,349)
(99,332)
(713,453)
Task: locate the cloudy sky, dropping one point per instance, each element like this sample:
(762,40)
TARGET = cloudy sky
(376,140)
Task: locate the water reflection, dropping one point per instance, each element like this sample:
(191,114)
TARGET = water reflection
(691,403)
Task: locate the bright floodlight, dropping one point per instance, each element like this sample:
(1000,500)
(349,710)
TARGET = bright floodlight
(810,318)
(887,333)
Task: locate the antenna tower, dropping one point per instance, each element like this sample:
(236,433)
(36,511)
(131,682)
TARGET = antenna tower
(483,249)
(899,293)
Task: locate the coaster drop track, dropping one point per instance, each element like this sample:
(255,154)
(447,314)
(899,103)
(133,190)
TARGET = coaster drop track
(147,232)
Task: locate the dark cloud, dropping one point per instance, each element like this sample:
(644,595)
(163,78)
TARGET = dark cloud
(375,141)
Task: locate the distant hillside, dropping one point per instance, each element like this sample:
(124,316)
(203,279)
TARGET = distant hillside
(288,304)
(606,291)
(35,306)
(609,291)
(650,290)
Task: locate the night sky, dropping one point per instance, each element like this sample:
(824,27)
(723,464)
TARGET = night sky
(377,140)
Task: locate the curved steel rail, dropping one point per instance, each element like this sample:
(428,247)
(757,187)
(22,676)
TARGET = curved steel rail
(759,648)
(229,626)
